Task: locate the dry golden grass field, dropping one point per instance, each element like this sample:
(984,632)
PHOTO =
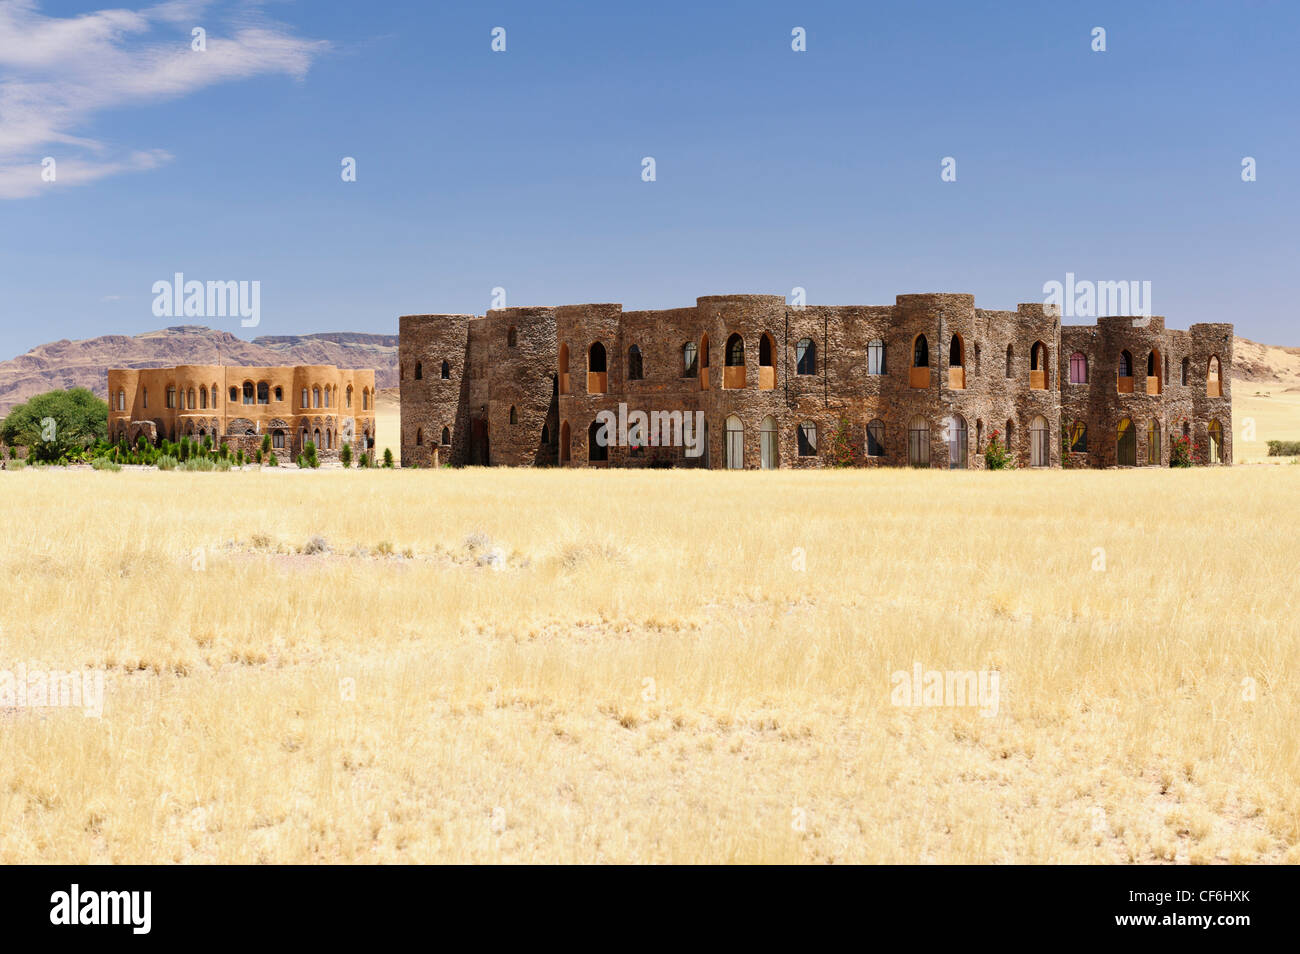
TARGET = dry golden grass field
(510,666)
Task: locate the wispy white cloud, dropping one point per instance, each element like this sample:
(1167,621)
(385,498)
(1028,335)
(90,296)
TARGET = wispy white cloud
(59,72)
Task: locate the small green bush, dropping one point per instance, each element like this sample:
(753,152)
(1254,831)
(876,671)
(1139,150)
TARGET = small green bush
(271,461)
(104,463)
(166,462)
(388,457)
(345,455)
(197,463)
(1283,448)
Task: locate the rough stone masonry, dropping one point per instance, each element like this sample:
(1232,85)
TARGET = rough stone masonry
(926,382)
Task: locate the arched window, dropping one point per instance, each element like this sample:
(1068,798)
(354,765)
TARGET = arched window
(735,354)
(564,443)
(446,436)
(920,352)
(1126,444)
(690,360)
(957,442)
(121,400)
(1078,438)
(277,439)
(1153,442)
(348,395)
(766,362)
(171,396)
(956,363)
(918,442)
(514,415)
(306,398)
(768,448)
(1155,383)
(1187,370)
(1078,368)
(1213,383)
(328,392)
(250,395)
(563,367)
(1216,442)
(263,393)
(1125,364)
(807,439)
(279,393)
(316,437)
(512,337)
(546,434)
(635,370)
(597,442)
(365,399)
(315,397)
(805,356)
(735,446)
(419,437)
(446,371)
(1038,366)
(1011,356)
(190,399)
(876,356)
(597,382)
(733,357)
(1040,442)
(419,370)
(876,438)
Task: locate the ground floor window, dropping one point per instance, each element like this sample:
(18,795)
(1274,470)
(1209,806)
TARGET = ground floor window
(918,442)
(1040,445)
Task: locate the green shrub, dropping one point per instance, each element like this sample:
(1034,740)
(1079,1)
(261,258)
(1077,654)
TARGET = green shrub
(17,463)
(996,455)
(271,461)
(345,455)
(266,443)
(104,463)
(258,456)
(840,449)
(363,461)
(166,462)
(388,457)
(197,463)
(1283,448)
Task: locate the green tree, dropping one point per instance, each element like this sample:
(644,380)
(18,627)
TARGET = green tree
(345,455)
(57,424)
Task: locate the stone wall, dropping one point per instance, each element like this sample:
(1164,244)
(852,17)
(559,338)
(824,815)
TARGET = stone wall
(979,372)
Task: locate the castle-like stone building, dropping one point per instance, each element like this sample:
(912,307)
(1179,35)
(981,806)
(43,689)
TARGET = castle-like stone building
(926,382)
(237,406)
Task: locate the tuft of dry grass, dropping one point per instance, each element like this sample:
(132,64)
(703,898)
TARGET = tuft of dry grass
(652,666)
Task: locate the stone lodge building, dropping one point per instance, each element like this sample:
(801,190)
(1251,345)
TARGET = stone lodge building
(924,382)
(236,405)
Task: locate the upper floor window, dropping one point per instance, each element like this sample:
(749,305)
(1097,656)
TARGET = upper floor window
(419,370)
(1213,381)
(263,393)
(1011,353)
(635,371)
(1187,370)
(735,356)
(446,371)
(690,360)
(1078,368)
(920,352)
(249,396)
(512,337)
(876,356)
(1125,365)
(805,357)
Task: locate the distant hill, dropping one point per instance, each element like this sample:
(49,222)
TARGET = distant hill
(68,364)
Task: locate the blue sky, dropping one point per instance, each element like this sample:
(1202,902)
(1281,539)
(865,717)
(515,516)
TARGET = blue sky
(522,169)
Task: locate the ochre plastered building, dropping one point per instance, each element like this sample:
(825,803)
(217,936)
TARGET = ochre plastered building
(923,382)
(238,405)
